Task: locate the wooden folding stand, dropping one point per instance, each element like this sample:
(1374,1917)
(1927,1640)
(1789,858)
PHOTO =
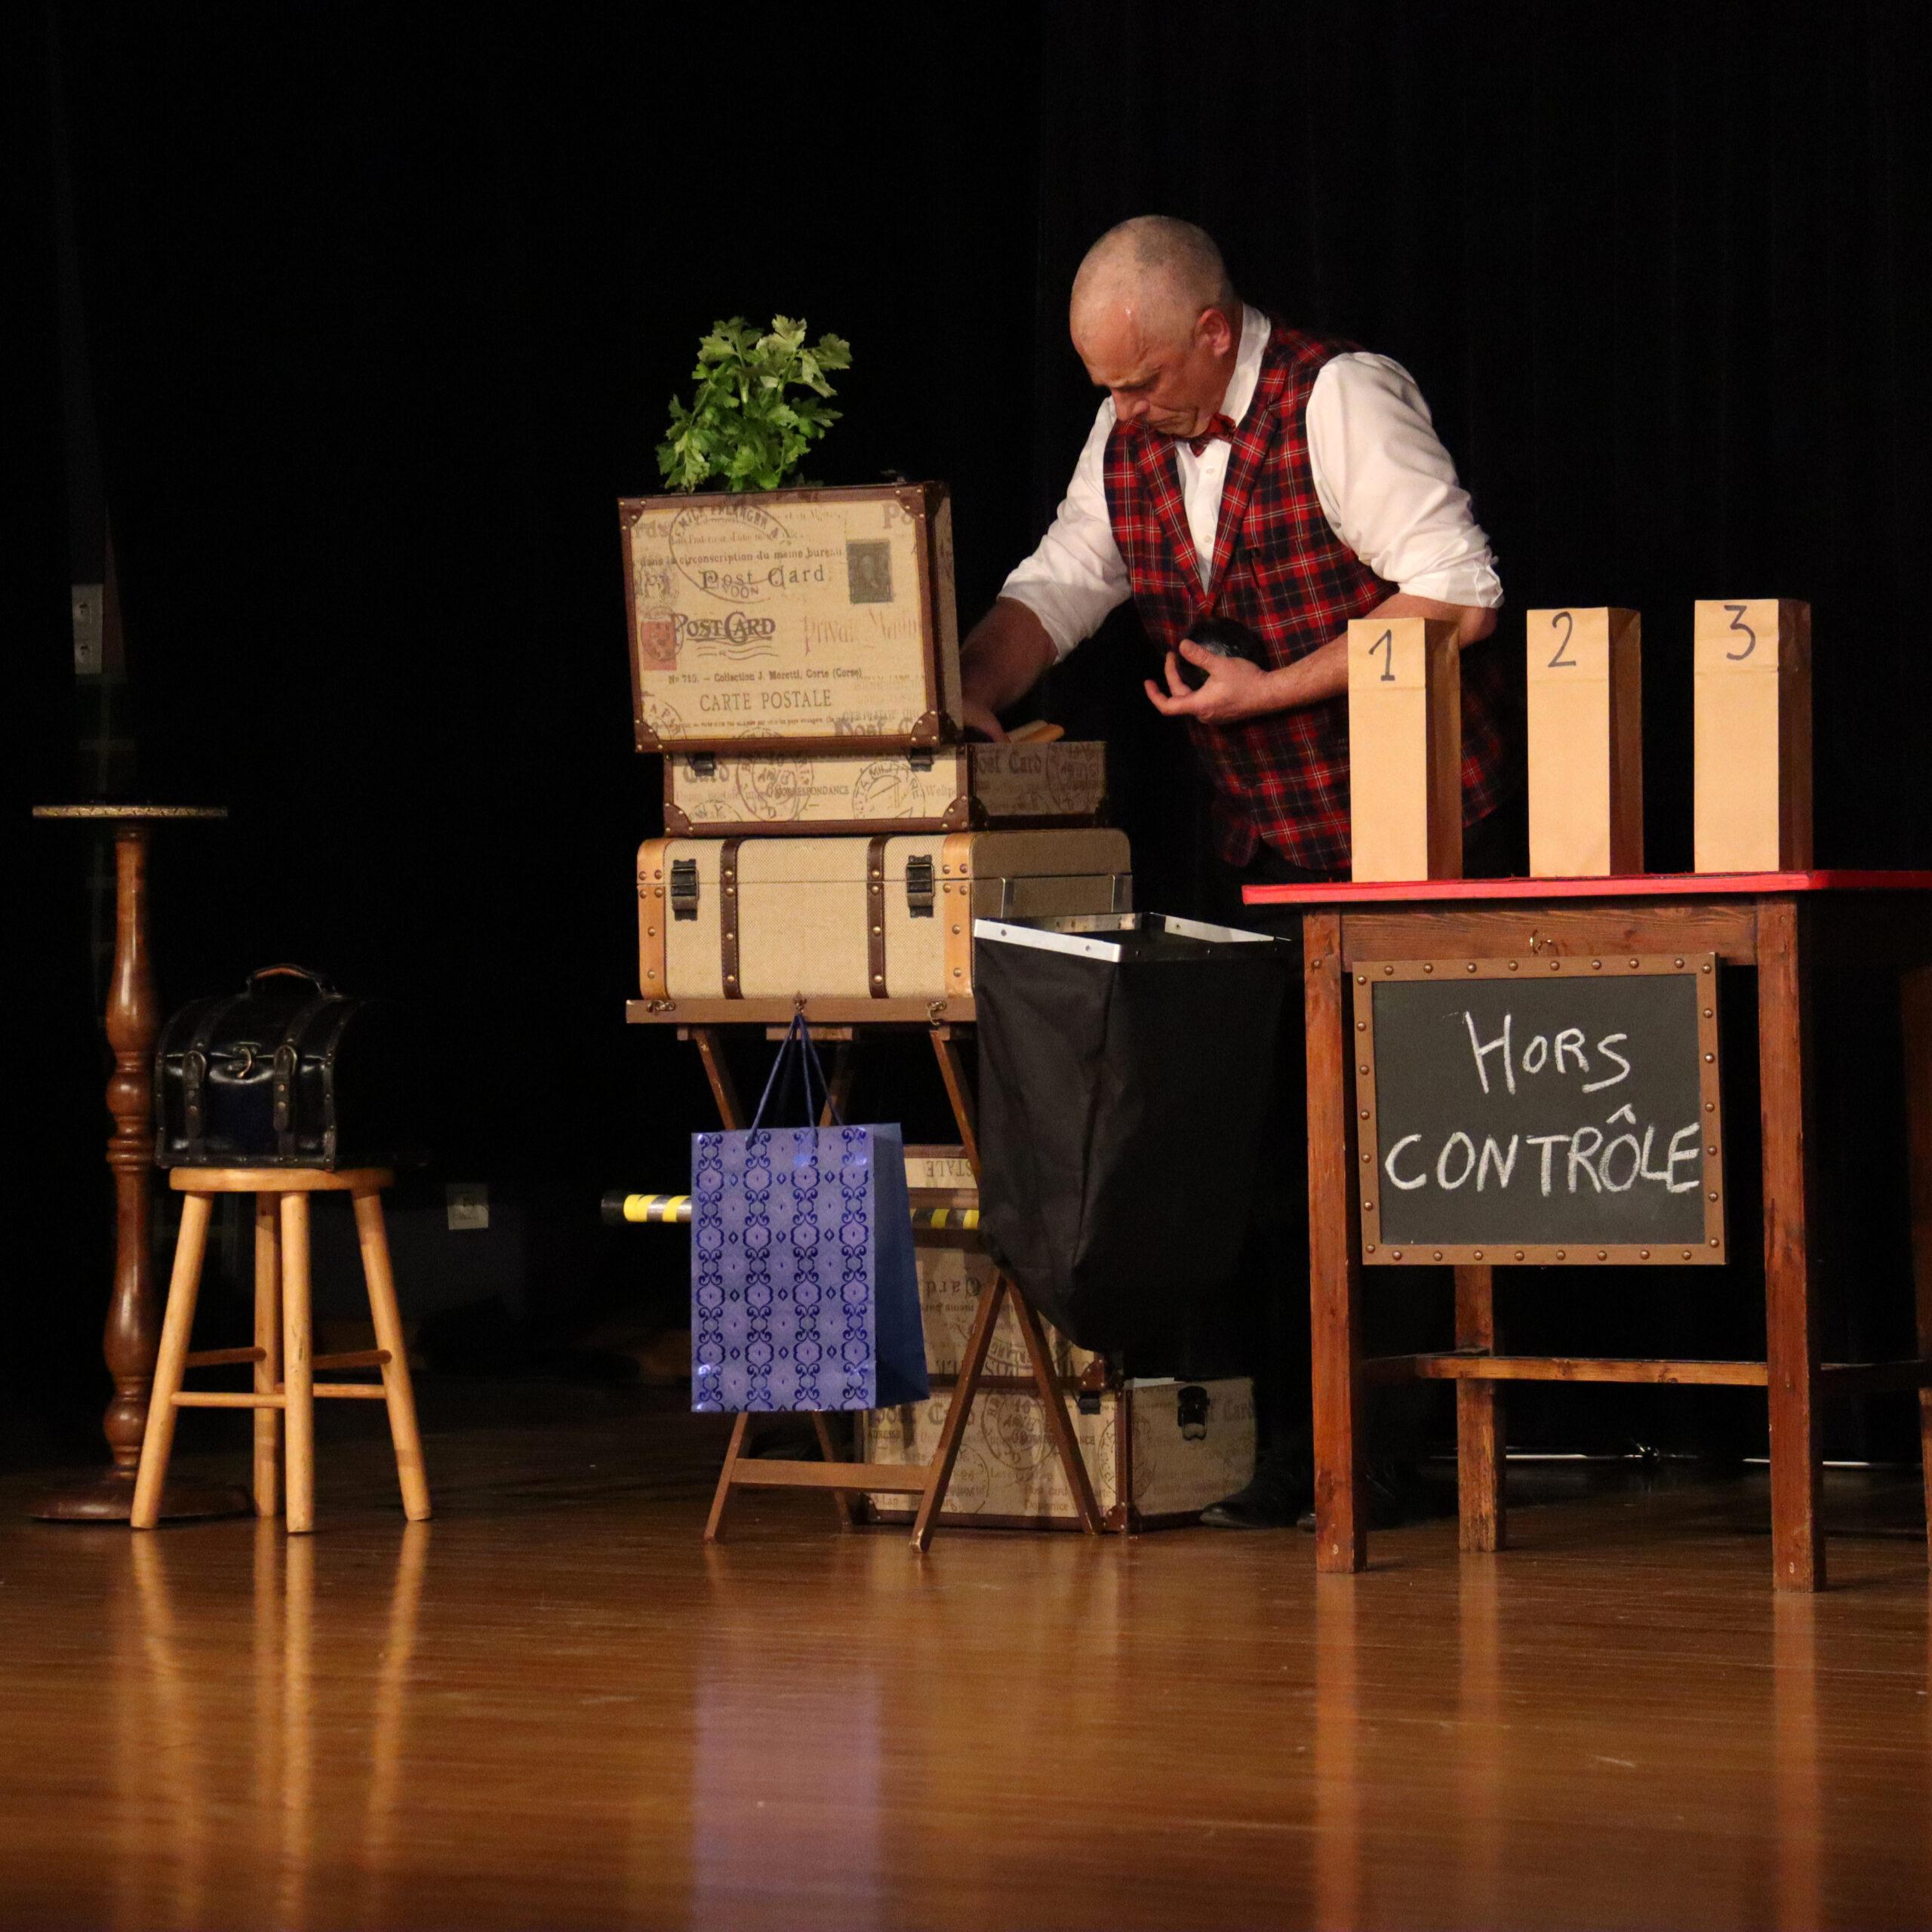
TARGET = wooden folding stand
(849,1481)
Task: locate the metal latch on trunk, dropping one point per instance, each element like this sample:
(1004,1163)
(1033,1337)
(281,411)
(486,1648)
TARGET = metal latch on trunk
(702,764)
(919,898)
(921,758)
(684,888)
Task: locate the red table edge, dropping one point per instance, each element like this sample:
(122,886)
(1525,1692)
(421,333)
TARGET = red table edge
(1635,885)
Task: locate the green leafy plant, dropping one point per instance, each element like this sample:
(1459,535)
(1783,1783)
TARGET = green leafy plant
(741,427)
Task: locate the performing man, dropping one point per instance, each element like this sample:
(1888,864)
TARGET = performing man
(1247,481)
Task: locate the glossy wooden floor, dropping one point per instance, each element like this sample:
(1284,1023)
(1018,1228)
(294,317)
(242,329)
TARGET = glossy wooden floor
(551,1707)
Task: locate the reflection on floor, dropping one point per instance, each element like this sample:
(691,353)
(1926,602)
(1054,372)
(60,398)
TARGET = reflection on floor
(550,1707)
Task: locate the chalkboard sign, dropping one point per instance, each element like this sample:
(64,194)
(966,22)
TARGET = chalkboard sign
(1539,1110)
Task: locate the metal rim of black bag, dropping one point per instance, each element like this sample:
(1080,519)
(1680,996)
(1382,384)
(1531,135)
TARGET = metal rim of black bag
(1123,1102)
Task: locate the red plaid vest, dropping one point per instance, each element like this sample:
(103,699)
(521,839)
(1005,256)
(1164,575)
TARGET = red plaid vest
(1280,569)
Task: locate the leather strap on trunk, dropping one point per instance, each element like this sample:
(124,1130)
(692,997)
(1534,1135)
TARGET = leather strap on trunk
(728,916)
(875,916)
(195,1076)
(287,1065)
(955,901)
(653,914)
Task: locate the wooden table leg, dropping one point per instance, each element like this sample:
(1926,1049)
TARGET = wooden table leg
(1915,1000)
(722,1495)
(1479,1436)
(1334,1256)
(724,1089)
(843,1500)
(838,1088)
(1052,1397)
(133,1022)
(133,1333)
(1060,1424)
(952,1071)
(1790,1318)
(966,1385)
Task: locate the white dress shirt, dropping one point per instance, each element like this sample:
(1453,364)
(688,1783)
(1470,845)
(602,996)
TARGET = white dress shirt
(1385,482)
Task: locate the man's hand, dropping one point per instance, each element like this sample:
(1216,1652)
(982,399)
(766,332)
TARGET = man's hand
(977,717)
(1001,660)
(1236,688)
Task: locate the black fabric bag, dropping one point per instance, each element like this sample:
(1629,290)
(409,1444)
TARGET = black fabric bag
(1126,1070)
(288,1072)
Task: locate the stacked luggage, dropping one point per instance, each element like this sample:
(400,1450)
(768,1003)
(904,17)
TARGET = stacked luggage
(794,659)
(829,841)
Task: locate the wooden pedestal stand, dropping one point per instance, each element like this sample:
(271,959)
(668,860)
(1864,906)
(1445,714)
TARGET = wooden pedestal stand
(133,1310)
(850,1482)
(1797,931)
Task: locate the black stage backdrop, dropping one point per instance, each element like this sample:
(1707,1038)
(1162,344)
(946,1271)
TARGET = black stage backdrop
(380,308)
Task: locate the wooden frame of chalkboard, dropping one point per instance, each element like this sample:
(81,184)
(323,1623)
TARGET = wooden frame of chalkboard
(1582,1124)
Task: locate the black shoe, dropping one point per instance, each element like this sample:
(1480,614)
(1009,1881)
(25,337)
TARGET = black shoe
(1397,1495)
(1275,1497)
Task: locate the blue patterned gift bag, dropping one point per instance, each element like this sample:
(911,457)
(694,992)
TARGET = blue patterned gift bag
(804,1294)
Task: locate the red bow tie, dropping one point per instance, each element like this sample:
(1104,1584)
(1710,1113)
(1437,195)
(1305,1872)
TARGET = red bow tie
(1218,426)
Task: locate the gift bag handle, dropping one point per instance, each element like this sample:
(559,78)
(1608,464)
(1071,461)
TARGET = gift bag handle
(797,1043)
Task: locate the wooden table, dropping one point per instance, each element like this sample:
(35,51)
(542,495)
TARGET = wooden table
(1786,927)
(133,1333)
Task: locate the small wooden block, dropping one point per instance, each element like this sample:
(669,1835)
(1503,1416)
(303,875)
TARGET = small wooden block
(1585,671)
(1752,666)
(1405,749)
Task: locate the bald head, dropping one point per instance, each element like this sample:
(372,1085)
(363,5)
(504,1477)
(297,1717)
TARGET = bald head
(1156,271)
(1158,323)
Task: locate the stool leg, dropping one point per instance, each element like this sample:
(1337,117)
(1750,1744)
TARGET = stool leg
(402,1397)
(268,1370)
(297,1369)
(171,1364)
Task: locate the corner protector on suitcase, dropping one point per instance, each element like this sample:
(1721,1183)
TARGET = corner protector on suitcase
(676,821)
(1122,1519)
(962,815)
(928,730)
(630,509)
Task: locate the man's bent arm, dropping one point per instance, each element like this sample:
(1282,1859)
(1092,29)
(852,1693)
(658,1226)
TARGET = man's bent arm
(1236,689)
(1004,656)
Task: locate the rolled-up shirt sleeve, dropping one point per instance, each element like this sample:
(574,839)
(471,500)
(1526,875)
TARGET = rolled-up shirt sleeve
(1077,576)
(1388,488)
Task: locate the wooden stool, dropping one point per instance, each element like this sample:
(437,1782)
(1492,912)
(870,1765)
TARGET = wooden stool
(284,1371)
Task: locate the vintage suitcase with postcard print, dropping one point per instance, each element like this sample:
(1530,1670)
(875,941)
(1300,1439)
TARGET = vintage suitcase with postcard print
(953,788)
(818,619)
(1159,1453)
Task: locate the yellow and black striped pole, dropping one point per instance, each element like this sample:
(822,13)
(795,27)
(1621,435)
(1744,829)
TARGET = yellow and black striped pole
(620,1208)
